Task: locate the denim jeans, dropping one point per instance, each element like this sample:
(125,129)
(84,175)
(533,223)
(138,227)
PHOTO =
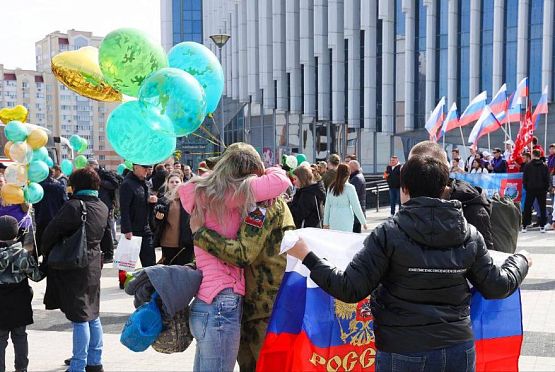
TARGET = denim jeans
(20,346)
(394,199)
(87,345)
(458,358)
(217,329)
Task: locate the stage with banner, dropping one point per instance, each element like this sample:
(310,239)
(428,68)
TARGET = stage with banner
(505,184)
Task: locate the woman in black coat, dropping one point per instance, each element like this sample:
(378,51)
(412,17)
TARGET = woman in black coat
(77,292)
(306,206)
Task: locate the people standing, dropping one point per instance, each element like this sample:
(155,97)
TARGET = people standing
(172,231)
(54,197)
(17,265)
(535,180)
(537,146)
(135,198)
(329,176)
(77,292)
(477,167)
(470,159)
(306,206)
(456,168)
(551,159)
(392,175)
(187,173)
(508,149)
(455,154)
(357,180)
(342,203)
(497,164)
(220,201)
(59,176)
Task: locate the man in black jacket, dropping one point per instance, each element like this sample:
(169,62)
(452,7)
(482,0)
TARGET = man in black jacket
(392,176)
(54,198)
(475,204)
(416,266)
(357,180)
(134,205)
(535,181)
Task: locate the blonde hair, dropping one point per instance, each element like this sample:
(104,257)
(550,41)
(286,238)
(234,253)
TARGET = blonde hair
(171,194)
(304,174)
(232,174)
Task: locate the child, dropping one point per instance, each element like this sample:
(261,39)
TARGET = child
(16,265)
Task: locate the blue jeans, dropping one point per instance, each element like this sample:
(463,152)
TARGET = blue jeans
(458,358)
(217,329)
(394,199)
(87,345)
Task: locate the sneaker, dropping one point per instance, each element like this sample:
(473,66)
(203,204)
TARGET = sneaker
(67,361)
(542,229)
(524,230)
(108,260)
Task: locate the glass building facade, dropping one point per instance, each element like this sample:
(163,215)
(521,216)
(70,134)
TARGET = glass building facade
(187,20)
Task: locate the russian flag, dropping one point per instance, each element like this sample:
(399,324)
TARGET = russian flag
(435,120)
(541,107)
(311,331)
(498,104)
(521,91)
(451,121)
(486,124)
(474,109)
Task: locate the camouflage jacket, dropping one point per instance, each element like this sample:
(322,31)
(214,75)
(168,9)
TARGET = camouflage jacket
(16,264)
(256,250)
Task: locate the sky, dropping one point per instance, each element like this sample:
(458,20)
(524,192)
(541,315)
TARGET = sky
(26,21)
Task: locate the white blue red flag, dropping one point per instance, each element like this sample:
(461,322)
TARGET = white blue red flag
(311,331)
(486,124)
(520,92)
(474,109)
(541,107)
(498,104)
(435,120)
(451,121)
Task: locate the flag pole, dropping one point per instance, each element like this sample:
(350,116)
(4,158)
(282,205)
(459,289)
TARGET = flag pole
(489,143)
(545,133)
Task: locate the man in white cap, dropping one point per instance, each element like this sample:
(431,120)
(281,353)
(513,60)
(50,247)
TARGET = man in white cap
(508,149)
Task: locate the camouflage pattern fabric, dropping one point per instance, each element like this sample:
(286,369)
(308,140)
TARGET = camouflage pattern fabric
(252,337)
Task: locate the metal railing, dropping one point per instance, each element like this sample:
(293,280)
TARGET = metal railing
(375,187)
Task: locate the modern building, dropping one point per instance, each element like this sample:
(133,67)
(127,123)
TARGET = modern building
(321,76)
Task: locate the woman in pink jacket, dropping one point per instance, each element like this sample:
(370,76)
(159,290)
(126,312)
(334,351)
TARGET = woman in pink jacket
(220,201)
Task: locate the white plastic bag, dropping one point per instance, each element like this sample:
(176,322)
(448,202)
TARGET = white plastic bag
(127,253)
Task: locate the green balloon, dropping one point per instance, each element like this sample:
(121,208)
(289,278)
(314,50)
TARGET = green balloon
(80,162)
(127,56)
(33,193)
(38,171)
(128,165)
(40,154)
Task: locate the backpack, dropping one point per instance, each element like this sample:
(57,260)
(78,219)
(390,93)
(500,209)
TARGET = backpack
(505,223)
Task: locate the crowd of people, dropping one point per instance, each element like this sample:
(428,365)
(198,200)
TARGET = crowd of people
(228,221)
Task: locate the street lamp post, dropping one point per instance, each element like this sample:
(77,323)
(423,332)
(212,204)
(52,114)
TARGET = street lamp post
(220,40)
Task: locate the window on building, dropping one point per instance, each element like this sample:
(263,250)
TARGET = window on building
(420,68)
(464,54)
(511,30)
(441,48)
(535,48)
(25,85)
(486,47)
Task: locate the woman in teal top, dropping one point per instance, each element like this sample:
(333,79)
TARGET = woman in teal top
(342,203)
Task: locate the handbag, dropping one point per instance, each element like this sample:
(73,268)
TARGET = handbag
(71,253)
(143,326)
(176,335)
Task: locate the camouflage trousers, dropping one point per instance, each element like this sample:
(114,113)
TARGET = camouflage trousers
(252,337)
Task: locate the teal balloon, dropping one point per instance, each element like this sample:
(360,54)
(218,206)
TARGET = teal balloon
(128,164)
(40,154)
(49,162)
(80,162)
(67,167)
(33,193)
(38,171)
(121,168)
(138,133)
(16,131)
(127,56)
(178,95)
(301,158)
(199,61)
(75,142)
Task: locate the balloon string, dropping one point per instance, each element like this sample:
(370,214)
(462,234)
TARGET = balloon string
(219,131)
(207,139)
(203,153)
(214,138)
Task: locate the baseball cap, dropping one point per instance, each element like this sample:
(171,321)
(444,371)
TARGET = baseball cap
(509,142)
(497,149)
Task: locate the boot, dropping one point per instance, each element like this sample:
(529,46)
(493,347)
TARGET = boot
(97,368)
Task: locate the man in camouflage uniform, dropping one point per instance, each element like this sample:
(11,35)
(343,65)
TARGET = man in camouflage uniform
(257,250)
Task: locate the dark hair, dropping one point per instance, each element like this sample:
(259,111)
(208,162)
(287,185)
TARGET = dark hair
(535,140)
(84,179)
(477,162)
(56,168)
(338,185)
(537,153)
(527,155)
(455,150)
(424,176)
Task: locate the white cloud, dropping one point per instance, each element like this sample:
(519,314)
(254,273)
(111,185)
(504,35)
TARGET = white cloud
(26,21)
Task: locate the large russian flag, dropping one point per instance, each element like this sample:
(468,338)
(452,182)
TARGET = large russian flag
(435,120)
(451,121)
(541,107)
(311,331)
(486,124)
(520,92)
(474,109)
(498,104)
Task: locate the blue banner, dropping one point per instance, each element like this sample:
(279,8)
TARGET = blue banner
(505,184)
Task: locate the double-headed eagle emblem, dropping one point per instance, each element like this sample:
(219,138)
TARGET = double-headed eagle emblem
(360,319)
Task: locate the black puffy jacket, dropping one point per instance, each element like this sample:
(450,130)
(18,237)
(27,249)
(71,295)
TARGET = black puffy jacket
(306,205)
(536,176)
(416,266)
(134,206)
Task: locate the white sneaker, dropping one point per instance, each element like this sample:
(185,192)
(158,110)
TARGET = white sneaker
(542,229)
(524,230)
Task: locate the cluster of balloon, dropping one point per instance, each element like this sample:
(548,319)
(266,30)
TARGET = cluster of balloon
(123,166)
(292,162)
(175,92)
(31,161)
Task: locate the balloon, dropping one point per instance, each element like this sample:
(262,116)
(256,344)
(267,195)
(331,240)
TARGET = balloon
(21,152)
(301,158)
(128,165)
(37,138)
(40,154)
(11,194)
(179,96)
(75,142)
(33,193)
(49,162)
(84,144)
(7,148)
(67,167)
(18,113)
(199,61)
(16,131)
(127,56)
(79,71)
(16,174)
(80,162)
(38,171)
(121,168)
(136,131)
(291,162)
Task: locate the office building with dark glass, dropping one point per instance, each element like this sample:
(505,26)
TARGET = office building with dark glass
(322,76)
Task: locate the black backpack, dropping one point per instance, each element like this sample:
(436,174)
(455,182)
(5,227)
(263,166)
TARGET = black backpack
(505,223)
